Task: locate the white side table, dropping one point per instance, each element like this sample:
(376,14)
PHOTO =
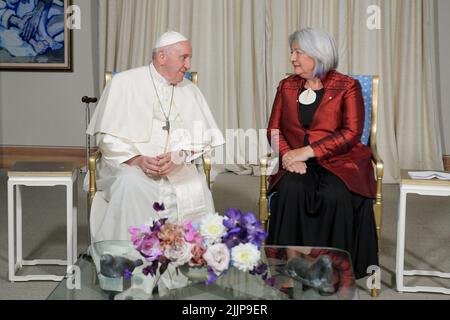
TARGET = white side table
(433,187)
(40,174)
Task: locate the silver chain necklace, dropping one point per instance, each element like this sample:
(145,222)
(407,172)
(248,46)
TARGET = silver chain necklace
(167,126)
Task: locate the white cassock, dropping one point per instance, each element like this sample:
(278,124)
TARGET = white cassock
(127,122)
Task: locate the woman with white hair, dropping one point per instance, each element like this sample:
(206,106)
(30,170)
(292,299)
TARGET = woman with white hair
(324,188)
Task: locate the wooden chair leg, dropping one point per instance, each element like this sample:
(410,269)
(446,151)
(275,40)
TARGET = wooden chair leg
(92,188)
(377,208)
(373,289)
(207,169)
(263,207)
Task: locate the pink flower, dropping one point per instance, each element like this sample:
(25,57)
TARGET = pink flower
(137,233)
(171,235)
(150,247)
(197,256)
(217,256)
(179,254)
(190,234)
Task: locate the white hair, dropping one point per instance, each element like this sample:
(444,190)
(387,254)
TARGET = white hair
(155,52)
(320,46)
(165,49)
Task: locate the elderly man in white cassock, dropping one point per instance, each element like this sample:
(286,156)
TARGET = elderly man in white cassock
(152,126)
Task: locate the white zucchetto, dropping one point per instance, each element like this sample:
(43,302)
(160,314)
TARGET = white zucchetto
(168,38)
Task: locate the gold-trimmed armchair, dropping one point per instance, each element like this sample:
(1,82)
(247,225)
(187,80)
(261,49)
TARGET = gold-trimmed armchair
(96,155)
(369,86)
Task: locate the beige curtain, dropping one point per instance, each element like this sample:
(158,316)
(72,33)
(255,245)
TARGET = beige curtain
(241,52)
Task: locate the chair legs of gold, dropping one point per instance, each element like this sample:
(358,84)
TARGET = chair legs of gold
(373,289)
(263,207)
(377,208)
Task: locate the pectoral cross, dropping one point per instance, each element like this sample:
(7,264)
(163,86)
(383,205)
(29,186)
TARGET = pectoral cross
(167,126)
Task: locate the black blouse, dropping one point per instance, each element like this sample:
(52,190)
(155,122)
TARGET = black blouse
(306,112)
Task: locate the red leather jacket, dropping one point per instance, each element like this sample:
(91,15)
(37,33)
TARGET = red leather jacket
(334,133)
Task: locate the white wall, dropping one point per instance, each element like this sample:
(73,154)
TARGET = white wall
(44,108)
(443,12)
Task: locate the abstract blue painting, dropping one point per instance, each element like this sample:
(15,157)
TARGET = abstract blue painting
(33,35)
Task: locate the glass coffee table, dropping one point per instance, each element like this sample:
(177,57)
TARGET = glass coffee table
(298,273)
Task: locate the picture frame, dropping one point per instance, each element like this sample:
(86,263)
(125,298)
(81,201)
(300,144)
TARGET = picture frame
(34,35)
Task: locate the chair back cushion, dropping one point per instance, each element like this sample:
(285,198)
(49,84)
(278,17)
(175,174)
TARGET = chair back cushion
(188,75)
(366,82)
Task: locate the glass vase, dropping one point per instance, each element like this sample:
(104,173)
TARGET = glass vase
(194,274)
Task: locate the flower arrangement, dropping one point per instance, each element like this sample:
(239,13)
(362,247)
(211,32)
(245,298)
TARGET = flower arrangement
(217,242)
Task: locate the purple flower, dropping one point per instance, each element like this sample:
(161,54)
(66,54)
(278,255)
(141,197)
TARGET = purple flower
(150,247)
(157,225)
(255,233)
(249,219)
(257,238)
(233,218)
(269,281)
(233,237)
(151,269)
(211,276)
(127,273)
(158,207)
(260,269)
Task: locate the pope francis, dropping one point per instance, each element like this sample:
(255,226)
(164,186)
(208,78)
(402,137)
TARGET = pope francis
(152,126)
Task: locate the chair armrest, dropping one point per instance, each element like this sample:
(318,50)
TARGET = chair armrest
(93,158)
(378,165)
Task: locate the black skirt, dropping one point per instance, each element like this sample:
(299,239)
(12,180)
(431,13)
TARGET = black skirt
(317,209)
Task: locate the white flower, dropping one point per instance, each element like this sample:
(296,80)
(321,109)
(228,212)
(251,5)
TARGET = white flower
(217,257)
(179,255)
(245,257)
(212,228)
